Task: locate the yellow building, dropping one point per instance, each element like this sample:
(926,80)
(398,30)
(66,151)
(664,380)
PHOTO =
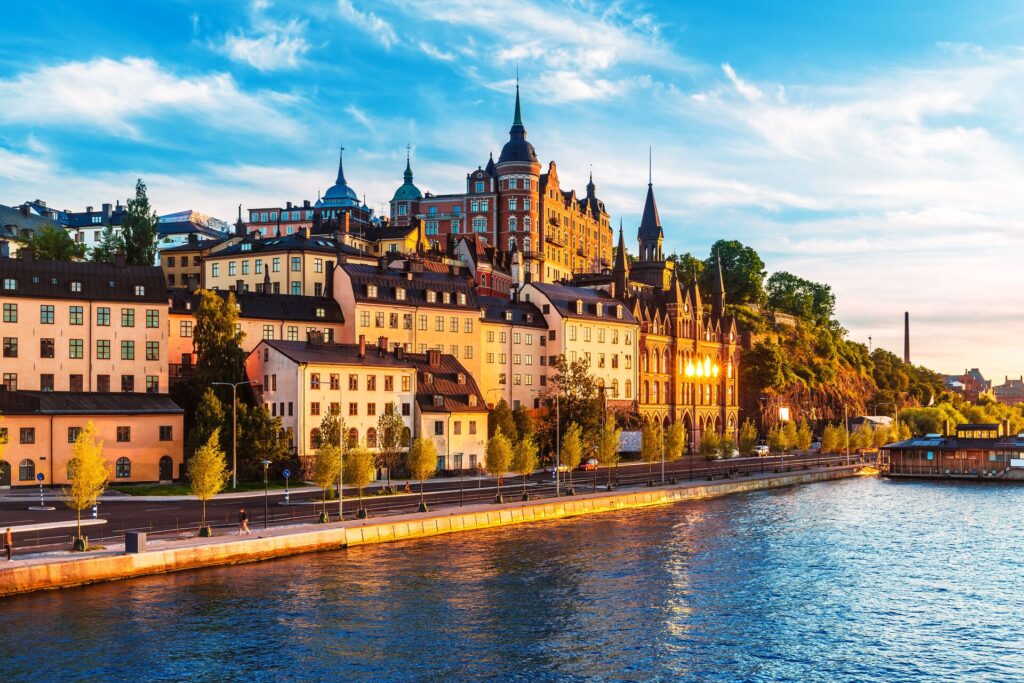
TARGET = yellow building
(183,264)
(514,353)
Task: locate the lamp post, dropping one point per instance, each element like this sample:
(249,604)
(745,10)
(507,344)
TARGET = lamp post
(558,446)
(234,424)
(266,492)
(690,372)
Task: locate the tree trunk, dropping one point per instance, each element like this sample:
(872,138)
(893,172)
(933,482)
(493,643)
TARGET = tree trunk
(421,492)
(524,486)
(79,523)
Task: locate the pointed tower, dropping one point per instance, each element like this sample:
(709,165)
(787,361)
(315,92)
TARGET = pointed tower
(717,289)
(620,272)
(651,267)
(518,187)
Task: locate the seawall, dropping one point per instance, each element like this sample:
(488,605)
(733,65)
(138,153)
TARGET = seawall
(34,574)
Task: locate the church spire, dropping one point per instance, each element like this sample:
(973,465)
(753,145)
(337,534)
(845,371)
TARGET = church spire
(717,288)
(341,166)
(408,166)
(620,271)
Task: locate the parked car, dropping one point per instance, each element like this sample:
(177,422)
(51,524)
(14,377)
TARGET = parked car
(761,450)
(588,465)
(562,467)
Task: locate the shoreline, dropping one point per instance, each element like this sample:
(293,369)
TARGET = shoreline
(45,572)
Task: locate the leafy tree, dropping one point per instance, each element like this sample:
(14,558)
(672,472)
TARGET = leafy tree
(883,435)
(748,438)
(389,438)
(138,227)
(843,436)
(421,461)
(208,473)
(862,437)
(579,400)
(686,267)
(904,433)
(571,453)
(726,447)
(501,419)
(331,428)
(51,243)
(87,472)
(111,243)
(359,471)
(499,457)
(675,437)
(777,440)
(326,471)
(608,446)
(524,459)
(261,437)
(651,443)
(709,444)
(742,272)
(804,437)
(209,419)
(811,301)
(217,343)
(523,422)
(830,439)
(790,435)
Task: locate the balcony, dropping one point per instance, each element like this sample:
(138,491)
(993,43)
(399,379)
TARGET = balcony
(438,216)
(554,239)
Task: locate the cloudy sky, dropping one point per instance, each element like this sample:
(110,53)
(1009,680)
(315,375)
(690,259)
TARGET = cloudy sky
(874,146)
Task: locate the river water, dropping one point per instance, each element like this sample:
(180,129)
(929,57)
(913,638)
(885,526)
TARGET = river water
(856,580)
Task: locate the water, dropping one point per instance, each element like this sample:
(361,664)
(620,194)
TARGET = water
(858,580)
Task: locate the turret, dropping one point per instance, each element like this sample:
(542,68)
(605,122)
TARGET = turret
(620,272)
(717,289)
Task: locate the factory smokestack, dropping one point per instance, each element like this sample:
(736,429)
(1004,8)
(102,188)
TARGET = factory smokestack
(906,337)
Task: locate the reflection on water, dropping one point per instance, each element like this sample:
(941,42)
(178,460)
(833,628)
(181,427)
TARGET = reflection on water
(855,580)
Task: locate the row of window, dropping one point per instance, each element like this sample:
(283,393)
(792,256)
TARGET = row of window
(77,383)
(353,408)
(271,216)
(353,382)
(76,315)
(517,338)
(196,261)
(601,334)
(295,265)
(76,349)
(10,284)
(382,320)
(27,435)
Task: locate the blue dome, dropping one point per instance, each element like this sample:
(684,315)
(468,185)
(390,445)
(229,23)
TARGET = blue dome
(340,194)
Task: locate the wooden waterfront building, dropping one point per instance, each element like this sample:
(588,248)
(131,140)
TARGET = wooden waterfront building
(975,451)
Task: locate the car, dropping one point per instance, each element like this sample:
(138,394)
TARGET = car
(761,450)
(562,467)
(588,465)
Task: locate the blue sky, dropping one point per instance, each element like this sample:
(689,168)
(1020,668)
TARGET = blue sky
(873,145)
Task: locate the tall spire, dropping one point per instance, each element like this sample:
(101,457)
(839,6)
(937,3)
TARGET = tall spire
(650,224)
(650,166)
(517,119)
(620,271)
(341,166)
(408,166)
(717,288)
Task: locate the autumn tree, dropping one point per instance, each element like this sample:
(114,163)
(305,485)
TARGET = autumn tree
(571,453)
(748,438)
(498,459)
(650,445)
(52,243)
(789,435)
(608,446)
(524,460)
(804,437)
(359,472)
(389,438)
(87,473)
(208,473)
(421,461)
(777,440)
(326,471)
(830,439)
(709,444)
(138,228)
(675,438)
(217,341)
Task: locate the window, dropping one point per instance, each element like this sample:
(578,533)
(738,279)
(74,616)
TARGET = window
(371,409)
(296,262)
(314,380)
(259,266)
(405,383)
(10,347)
(127,384)
(353,382)
(185,328)
(76,315)
(268,331)
(152,384)
(10,313)
(353,409)
(293,333)
(103,316)
(27,435)
(127,317)
(124,434)
(10,283)
(27,467)
(123,468)
(422,322)
(103,349)
(45,315)
(438,428)
(103,383)
(140,290)
(371,383)
(127,350)
(364,318)
(152,318)
(216,270)
(439,323)
(46,347)
(314,407)
(152,350)
(378,319)
(232,268)
(275,265)
(296,288)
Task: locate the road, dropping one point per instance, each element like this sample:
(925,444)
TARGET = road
(183,517)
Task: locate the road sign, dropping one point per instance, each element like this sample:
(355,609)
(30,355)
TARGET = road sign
(40,477)
(287,473)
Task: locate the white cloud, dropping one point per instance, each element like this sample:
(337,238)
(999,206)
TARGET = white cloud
(432,51)
(377,27)
(271,47)
(32,166)
(751,92)
(116,95)
(360,116)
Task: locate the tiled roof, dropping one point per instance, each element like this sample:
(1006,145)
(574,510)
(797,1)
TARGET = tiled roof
(85,403)
(336,354)
(523,313)
(564,298)
(99,281)
(296,242)
(415,284)
(442,379)
(269,306)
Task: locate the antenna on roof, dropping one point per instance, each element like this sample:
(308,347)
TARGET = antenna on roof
(650,166)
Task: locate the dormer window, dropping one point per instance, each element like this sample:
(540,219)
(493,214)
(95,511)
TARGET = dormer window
(10,284)
(428,378)
(579,307)
(400,293)
(140,290)
(110,283)
(462,298)
(438,400)
(246,246)
(599,307)
(431,296)
(472,400)
(529,317)
(371,291)
(320,313)
(446,297)
(618,311)
(76,286)
(508,315)
(462,378)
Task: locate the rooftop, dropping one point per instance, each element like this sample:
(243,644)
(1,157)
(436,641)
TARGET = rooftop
(84,403)
(415,283)
(87,281)
(565,297)
(269,306)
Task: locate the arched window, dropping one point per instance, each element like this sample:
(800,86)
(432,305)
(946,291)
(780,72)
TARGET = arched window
(26,470)
(479,224)
(615,388)
(314,437)
(511,244)
(647,392)
(657,393)
(406,437)
(123,468)
(371,437)
(629,389)
(353,437)
(644,362)
(657,361)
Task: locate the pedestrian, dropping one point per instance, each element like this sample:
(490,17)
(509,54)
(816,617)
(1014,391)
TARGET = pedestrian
(243,523)
(408,489)
(9,544)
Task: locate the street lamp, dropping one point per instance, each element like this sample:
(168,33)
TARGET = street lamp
(266,493)
(234,425)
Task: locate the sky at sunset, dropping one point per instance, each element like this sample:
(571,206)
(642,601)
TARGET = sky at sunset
(876,146)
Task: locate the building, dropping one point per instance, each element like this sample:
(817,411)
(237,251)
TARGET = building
(142,435)
(86,227)
(261,316)
(18,223)
(514,352)
(585,323)
(184,227)
(182,265)
(78,326)
(970,385)
(280,221)
(975,451)
(490,268)
(1010,392)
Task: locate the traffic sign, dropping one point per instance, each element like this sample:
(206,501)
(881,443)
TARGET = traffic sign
(40,477)
(287,473)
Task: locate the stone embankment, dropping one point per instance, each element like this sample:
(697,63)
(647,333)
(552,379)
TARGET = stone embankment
(35,573)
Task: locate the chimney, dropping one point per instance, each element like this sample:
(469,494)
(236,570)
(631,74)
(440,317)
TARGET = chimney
(399,351)
(382,344)
(339,237)
(288,205)
(193,238)
(453,270)
(305,203)
(26,209)
(382,263)
(304,232)
(346,223)
(433,358)
(329,280)
(906,337)
(88,209)
(362,346)
(106,210)
(314,338)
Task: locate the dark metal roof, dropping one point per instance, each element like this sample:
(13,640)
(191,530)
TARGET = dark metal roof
(442,379)
(523,313)
(416,286)
(195,246)
(650,224)
(336,354)
(85,403)
(296,242)
(186,227)
(564,298)
(99,281)
(269,306)
(14,220)
(954,443)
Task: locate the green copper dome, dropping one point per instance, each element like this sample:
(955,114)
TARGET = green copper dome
(407,191)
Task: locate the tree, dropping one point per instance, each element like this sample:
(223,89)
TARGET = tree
(571,453)
(843,437)
(330,430)
(359,472)
(810,301)
(830,439)
(51,243)
(501,419)
(138,227)
(804,437)
(789,435)
(709,445)
(523,422)
(777,440)
(686,267)
(111,243)
(498,459)
(217,342)
(742,272)
(208,473)
(421,461)
(748,438)
(726,447)
(209,419)
(524,460)
(578,397)
(904,433)
(326,471)
(608,446)
(883,435)
(261,437)
(389,438)
(87,472)
(675,437)
(651,444)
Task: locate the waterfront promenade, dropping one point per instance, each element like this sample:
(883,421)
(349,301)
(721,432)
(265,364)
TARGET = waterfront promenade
(61,569)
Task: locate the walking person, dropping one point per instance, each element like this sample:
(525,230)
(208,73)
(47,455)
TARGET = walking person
(9,544)
(243,523)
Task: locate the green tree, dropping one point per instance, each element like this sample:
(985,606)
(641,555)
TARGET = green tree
(331,428)
(810,301)
(499,458)
(651,443)
(421,461)
(524,459)
(359,472)
(843,437)
(675,438)
(578,397)
(217,342)
(804,436)
(209,418)
(748,438)
(208,473)
(523,422)
(883,435)
(777,440)
(608,446)
(904,433)
(111,243)
(709,444)
(138,228)
(571,453)
(87,472)
(790,435)
(501,419)
(389,438)
(687,266)
(51,243)
(830,439)
(326,471)
(261,437)
(726,447)
(742,272)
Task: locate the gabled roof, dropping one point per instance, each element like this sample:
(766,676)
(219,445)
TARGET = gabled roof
(95,281)
(265,306)
(442,379)
(335,354)
(525,314)
(416,285)
(564,298)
